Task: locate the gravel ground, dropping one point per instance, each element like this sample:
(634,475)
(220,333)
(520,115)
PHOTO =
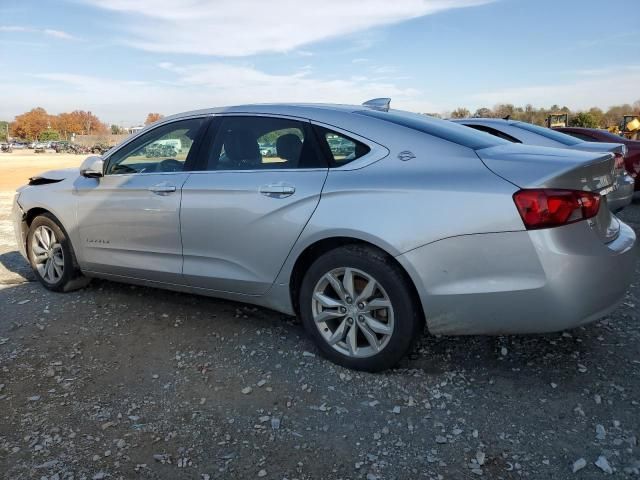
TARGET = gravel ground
(116,381)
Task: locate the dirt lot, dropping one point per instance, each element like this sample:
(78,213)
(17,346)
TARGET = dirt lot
(18,166)
(116,381)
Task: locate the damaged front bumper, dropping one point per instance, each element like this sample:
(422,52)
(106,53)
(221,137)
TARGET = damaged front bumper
(19,225)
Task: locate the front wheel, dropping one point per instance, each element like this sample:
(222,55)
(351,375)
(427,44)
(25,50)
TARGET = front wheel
(51,255)
(360,309)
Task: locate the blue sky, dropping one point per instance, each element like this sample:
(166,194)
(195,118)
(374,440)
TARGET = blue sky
(124,58)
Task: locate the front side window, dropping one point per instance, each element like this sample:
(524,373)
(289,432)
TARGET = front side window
(263,143)
(163,149)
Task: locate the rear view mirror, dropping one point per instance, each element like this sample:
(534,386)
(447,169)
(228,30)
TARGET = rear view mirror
(92,167)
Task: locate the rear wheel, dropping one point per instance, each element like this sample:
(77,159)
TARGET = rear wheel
(359,308)
(51,255)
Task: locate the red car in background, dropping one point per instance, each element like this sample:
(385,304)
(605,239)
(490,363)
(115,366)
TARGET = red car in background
(631,160)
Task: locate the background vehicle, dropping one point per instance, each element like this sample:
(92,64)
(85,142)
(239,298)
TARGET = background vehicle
(364,243)
(631,159)
(529,134)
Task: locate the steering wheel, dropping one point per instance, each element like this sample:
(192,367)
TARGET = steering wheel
(171,165)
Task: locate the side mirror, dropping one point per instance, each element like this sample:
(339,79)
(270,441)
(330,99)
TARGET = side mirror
(92,167)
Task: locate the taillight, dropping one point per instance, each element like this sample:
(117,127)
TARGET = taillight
(545,207)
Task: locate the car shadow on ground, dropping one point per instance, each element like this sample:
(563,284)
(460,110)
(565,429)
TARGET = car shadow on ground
(15,264)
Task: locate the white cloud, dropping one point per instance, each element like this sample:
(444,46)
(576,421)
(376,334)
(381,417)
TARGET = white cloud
(58,34)
(193,87)
(45,31)
(598,87)
(13,28)
(246,27)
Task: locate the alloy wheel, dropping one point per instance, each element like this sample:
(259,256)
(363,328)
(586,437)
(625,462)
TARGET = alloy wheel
(48,255)
(352,312)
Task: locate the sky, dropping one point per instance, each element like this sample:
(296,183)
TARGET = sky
(122,59)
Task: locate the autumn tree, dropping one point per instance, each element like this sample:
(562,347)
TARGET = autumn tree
(31,124)
(483,112)
(460,113)
(153,117)
(67,124)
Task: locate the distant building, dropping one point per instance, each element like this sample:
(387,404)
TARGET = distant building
(135,129)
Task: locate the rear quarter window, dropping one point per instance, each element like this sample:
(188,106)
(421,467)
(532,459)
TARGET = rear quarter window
(444,129)
(339,148)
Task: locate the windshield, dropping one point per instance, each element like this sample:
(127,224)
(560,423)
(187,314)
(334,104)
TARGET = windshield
(563,138)
(465,136)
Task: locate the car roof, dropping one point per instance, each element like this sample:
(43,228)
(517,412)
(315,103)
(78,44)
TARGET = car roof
(293,109)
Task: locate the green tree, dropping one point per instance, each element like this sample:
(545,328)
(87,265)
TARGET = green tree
(49,135)
(583,119)
(4,130)
(115,130)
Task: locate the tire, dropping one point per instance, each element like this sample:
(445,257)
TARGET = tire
(329,316)
(63,274)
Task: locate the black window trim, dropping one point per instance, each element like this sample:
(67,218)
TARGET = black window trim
(492,131)
(192,156)
(209,139)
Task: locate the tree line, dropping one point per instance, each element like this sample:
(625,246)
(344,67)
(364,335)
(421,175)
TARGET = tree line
(37,124)
(592,118)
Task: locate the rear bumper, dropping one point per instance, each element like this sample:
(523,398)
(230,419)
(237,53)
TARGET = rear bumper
(623,195)
(521,282)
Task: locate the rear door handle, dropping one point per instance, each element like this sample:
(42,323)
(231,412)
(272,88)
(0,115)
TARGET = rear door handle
(277,190)
(162,189)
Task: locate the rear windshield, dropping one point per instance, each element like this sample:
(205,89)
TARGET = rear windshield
(548,133)
(465,136)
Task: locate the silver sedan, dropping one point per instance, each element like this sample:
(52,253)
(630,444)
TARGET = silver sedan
(365,222)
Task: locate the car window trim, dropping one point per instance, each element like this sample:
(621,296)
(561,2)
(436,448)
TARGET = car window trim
(212,130)
(190,160)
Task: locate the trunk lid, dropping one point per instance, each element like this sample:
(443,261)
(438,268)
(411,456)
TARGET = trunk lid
(528,166)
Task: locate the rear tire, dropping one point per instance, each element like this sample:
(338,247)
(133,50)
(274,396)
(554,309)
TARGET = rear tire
(359,308)
(51,255)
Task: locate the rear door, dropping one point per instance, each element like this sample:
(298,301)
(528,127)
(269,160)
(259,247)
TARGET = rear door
(245,206)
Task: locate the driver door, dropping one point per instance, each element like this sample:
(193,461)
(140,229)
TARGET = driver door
(129,219)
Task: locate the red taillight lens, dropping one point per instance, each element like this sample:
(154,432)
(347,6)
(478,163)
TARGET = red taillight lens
(544,207)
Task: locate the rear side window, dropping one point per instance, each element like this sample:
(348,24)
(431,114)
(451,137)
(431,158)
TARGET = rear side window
(452,132)
(548,133)
(494,132)
(339,148)
(263,143)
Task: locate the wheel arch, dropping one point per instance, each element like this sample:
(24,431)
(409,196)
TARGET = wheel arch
(34,212)
(322,246)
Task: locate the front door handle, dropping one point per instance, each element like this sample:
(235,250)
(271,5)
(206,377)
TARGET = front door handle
(278,191)
(162,189)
